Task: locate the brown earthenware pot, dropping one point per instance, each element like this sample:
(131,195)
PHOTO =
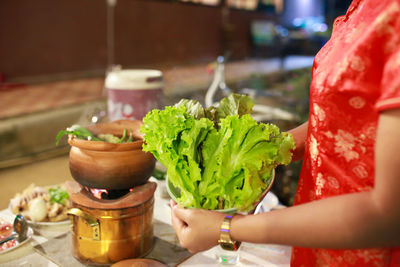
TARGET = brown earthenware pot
(104,165)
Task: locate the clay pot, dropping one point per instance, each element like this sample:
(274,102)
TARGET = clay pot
(111,166)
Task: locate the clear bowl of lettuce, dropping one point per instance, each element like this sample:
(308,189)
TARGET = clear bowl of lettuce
(217,158)
(175,194)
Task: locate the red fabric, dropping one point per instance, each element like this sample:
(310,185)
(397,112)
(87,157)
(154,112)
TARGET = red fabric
(355,76)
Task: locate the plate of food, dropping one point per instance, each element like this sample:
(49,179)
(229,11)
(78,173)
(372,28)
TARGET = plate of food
(6,229)
(42,205)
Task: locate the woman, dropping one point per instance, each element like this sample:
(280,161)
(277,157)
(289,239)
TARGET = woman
(347,204)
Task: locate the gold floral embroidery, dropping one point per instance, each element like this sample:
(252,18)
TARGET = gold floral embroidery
(380,257)
(382,22)
(360,171)
(319,80)
(357,102)
(370,132)
(319,183)
(350,35)
(341,69)
(345,142)
(319,112)
(313,120)
(324,259)
(392,44)
(313,148)
(355,33)
(349,257)
(333,182)
(328,134)
(357,64)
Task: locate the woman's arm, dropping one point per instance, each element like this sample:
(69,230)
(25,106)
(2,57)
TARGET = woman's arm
(299,135)
(358,220)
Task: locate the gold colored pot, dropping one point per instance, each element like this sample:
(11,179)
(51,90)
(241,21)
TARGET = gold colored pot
(102,236)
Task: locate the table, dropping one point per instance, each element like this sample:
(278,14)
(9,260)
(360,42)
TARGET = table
(39,250)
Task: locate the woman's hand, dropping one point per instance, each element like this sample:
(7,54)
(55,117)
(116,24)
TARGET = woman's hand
(197,229)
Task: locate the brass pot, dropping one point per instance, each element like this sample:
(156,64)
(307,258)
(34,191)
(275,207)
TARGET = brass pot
(105,165)
(106,236)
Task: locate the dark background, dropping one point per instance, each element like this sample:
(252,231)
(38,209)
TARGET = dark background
(46,40)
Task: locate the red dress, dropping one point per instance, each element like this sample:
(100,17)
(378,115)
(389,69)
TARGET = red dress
(355,76)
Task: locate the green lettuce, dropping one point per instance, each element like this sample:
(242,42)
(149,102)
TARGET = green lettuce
(218,157)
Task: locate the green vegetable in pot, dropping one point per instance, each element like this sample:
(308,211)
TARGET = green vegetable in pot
(79,132)
(58,195)
(218,157)
(115,139)
(83,133)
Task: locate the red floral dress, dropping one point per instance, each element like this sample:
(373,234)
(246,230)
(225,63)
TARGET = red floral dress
(355,76)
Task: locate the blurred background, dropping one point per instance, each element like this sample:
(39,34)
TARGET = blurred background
(55,55)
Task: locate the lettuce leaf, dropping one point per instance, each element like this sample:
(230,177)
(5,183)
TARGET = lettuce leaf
(220,161)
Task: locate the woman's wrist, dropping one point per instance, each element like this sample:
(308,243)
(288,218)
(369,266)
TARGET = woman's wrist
(236,227)
(219,220)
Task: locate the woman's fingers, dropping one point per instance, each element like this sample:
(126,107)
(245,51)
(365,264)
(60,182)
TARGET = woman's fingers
(177,223)
(182,213)
(197,229)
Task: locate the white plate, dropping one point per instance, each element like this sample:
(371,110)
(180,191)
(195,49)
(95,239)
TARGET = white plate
(60,223)
(29,236)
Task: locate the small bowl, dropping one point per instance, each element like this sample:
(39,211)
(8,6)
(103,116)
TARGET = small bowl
(175,193)
(104,165)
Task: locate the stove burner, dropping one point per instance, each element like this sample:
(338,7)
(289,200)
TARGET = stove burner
(107,194)
(114,194)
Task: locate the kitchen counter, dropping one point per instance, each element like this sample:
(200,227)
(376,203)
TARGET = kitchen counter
(51,246)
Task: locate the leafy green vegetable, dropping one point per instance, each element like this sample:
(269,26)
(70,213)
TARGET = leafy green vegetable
(235,104)
(194,108)
(79,132)
(83,133)
(115,139)
(109,138)
(218,157)
(58,195)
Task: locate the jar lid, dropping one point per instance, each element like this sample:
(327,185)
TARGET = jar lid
(134,79)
